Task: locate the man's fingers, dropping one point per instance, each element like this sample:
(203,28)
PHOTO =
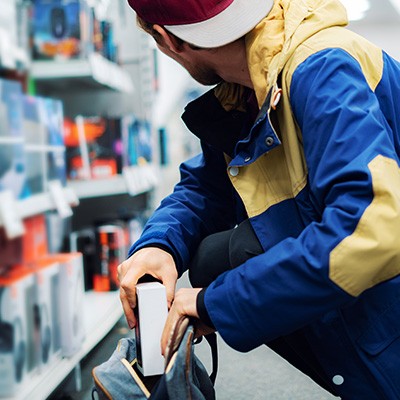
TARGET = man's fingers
(170,283)
(167,331)
(128,309)
(128,284)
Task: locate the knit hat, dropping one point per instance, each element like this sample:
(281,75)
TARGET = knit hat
(204,23)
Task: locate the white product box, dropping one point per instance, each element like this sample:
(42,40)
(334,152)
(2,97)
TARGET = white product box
(47,275)
(152,311)
(17,330)
(70,302)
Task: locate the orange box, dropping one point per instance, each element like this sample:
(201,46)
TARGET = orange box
(26,249)
(112,249)
(35,239)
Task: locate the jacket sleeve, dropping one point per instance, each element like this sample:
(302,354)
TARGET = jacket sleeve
(354,183)
(201,204)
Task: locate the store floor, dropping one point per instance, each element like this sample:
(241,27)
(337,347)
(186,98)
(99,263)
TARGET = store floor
(258,375)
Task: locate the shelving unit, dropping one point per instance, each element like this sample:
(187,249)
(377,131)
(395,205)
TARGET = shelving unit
(94,72)
(88,86)
(102,312)
(11,56)
(34,205)
(41,203)
(135,180)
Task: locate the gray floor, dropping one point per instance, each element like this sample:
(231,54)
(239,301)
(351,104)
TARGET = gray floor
(258,375)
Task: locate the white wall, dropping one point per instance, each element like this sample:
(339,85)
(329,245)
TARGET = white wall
(384,35)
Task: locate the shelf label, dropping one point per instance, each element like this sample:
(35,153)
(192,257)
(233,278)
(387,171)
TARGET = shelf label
(60,200)
(6,50)
(131,181)
(151,176)
(9,215)
(83,146)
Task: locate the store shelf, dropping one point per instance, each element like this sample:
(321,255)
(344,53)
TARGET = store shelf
(10,55)
(38,204)
(134,181)
(101,312)
(94,71)
(41,203)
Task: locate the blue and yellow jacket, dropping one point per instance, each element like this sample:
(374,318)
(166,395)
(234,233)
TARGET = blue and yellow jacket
(318,176)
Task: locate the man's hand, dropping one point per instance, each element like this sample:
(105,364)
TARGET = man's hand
(150,260)
(184,305)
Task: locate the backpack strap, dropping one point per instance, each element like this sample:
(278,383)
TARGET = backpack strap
(212,341)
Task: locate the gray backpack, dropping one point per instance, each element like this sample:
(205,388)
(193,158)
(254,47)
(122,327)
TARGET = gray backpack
(185,377)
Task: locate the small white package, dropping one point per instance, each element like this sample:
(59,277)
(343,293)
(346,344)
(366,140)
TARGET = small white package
(151,311)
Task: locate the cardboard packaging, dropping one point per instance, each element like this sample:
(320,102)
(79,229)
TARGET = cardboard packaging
(84,241)
(12,156)
(44,142)
(152,311)
(62,29)
(112,250)
(27,249)
(137,141)
(47,275)
(18,330)
(70,289)
(99,153)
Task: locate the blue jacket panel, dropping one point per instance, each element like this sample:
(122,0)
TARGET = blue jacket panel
(350,139)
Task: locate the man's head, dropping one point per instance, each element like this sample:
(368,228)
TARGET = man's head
(204,23)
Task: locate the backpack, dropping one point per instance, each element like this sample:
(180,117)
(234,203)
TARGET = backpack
(184,377)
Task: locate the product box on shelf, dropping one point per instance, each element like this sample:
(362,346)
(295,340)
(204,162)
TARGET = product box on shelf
(53,119)
(136,141)
(62,29)
(70,299)
(111,239)
(18,330)
(57,230)
(12,156)
(97,152)
(28,248)
(110,50)
(110,143)
(47,276)
(44,142)
(84,241)
(34,241)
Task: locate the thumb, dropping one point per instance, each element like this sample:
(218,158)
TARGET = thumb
(169,284)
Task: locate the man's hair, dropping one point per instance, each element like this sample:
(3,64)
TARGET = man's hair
(148,27)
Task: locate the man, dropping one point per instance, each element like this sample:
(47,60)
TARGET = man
(289,220)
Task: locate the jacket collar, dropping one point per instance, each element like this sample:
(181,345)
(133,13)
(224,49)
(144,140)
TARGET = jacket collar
(219,116)
(273,41)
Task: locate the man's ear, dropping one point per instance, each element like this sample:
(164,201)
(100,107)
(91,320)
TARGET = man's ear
(168,39)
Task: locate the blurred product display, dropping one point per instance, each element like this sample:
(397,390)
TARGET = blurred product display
(69,115)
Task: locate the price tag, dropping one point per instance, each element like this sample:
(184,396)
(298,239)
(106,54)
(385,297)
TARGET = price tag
(58,195)
(151,176)
(131,181)
(100,71)
(142,179)
(6,50)
(9,215)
